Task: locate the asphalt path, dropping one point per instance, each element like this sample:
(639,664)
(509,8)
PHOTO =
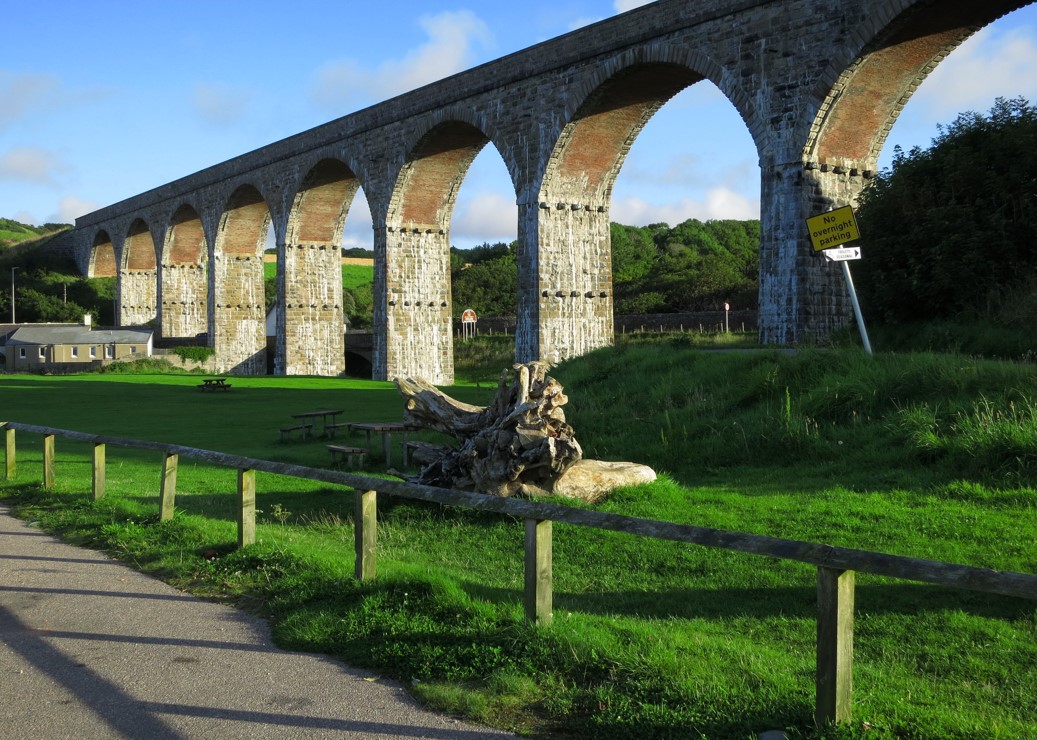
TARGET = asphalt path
(90,648)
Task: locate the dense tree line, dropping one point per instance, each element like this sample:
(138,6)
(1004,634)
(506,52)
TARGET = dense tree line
(948,232)
(693,266)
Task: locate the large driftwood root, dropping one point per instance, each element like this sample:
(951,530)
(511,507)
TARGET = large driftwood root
(519,443)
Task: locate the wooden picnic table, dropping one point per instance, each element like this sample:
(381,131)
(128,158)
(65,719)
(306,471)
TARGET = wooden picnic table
(327,417)
(386,429)
(214,384)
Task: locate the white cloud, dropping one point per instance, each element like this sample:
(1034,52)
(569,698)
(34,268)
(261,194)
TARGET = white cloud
(486,216)
(24,217)
(219,105)
(23,94)
(452,39)
(358,231)
(31,165)
(623,6)
(719,203)
(986,66)
(70,208)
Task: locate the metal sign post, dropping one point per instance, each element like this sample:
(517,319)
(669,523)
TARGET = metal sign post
(828,233)
(468,319)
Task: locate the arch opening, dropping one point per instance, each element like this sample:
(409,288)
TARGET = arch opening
(183,285)
(310,316)
(238,319)
(567,295)
(138,278)
(102,256)
(414,324)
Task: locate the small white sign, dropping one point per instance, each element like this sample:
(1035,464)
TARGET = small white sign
(842,254)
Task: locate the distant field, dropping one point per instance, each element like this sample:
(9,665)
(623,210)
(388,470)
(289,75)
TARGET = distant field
(356,272)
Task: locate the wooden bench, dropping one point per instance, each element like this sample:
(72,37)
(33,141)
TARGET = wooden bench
(330,429)
(347,454)
(303,429)
(214,384)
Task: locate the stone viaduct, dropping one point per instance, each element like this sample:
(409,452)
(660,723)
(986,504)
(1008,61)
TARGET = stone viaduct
(818,84)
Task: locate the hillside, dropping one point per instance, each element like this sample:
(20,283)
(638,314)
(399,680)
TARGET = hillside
(13,232)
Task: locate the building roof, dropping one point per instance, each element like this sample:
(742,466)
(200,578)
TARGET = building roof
(77,334)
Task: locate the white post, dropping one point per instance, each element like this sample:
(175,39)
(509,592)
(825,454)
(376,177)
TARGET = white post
(856,307)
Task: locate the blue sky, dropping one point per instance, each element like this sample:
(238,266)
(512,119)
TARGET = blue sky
(102,100)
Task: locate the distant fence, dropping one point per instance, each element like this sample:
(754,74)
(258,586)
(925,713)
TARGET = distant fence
(836,566)
(707,322)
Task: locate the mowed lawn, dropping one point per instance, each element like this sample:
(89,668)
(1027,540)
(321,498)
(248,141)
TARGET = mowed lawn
(650,638)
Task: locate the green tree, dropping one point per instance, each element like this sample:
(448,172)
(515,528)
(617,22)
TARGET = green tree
(949,230)
(489,286)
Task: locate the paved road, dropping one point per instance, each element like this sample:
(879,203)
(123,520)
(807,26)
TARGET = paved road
(92,649)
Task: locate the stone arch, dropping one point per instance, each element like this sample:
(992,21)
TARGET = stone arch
(310,319)
(613,105)
(565,260)
(183,281)
(430,178)
(857,101)
(908,40)
(413,330)
(102,256)
(138,277)
(237,323)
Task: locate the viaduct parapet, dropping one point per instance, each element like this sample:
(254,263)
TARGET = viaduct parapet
(818,84)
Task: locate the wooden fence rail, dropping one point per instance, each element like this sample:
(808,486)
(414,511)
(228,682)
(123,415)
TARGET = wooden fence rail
(835,565)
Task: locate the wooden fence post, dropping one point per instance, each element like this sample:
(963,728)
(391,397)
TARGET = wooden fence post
(247,513)
(167,494)
(48,461)
(98,471)
(9,456)
(538,596)
(365,533)
(835,596)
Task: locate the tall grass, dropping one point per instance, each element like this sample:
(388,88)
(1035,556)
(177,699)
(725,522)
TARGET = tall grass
(922,455)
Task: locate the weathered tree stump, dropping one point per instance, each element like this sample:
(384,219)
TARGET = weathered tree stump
(519,443)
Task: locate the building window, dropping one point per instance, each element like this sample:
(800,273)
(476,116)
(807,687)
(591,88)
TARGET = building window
(93,353)
(133,350)
(21,352)
(43,353)
(109,352)
(75,352)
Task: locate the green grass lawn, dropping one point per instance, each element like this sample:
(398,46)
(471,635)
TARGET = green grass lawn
(353,276)
(920,455)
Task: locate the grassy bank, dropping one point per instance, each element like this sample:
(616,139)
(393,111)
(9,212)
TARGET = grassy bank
(922,455)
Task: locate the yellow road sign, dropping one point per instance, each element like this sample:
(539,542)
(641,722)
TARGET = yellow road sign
(833,229)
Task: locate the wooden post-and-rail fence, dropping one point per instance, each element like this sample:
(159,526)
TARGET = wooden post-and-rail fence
(835,565)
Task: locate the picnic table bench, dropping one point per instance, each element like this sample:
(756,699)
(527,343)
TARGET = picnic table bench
(327,417)
(330,429)
(347,454)
(214,384)
(303,429)
(386,429)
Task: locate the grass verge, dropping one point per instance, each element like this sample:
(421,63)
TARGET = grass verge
(922,455)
